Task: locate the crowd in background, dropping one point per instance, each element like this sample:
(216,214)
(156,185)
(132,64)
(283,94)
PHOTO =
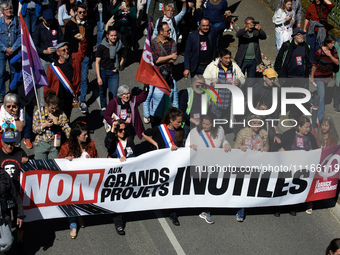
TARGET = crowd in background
(63,35)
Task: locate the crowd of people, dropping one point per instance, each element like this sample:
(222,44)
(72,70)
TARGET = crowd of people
(67,47)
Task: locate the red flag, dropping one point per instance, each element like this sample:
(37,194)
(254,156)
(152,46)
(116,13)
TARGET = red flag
(147,72)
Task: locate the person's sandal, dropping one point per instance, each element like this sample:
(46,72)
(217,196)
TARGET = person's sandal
(73,233)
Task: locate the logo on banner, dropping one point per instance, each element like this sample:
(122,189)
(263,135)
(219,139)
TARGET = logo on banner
(326,177)
(50,188)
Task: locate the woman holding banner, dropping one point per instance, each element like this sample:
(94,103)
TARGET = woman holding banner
(252,138)
(167,135)
(79,145)
(205,135)
(299,138)
(119,145)
(325,134)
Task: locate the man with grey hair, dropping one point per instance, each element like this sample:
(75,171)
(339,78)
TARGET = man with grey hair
(67,66)
(10,42)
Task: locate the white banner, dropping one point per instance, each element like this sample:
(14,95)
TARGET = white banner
(184,178)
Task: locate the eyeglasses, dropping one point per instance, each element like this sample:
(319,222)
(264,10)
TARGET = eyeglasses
(126,94)
(82,12)
(64,50)
(299,34)
(11,106)
(121,130)
(167,31)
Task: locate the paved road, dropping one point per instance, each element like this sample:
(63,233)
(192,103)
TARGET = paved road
(151,233)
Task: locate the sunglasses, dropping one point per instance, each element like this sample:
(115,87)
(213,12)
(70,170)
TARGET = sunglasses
(121,130)
(82,12)
(64,50)
(11,106)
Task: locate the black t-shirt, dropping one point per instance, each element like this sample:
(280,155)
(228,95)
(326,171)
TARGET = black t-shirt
(205,50)
(296,65)
(67,69)
(105,61)
(11,163)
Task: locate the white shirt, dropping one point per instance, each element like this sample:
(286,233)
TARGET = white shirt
(7,121)
(194,138)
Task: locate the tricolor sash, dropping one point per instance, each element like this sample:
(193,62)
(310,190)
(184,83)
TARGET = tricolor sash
(120,150)
(62,78)
(166,135)
(207,139)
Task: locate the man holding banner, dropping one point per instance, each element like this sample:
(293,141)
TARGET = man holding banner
(64,74)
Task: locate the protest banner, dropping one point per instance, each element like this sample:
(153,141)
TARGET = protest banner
(184,178)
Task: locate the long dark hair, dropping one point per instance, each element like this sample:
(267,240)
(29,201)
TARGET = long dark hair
(333,246)
(76,130)
(172,114)
(332,134)
(214,130)
(322,5)
(68,6)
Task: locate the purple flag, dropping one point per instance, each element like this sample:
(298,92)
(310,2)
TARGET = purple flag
(30,59)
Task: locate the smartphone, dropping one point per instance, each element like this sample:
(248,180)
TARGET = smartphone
(256,23)
(124,4)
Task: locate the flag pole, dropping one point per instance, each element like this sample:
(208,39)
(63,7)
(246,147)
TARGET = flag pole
(36,95)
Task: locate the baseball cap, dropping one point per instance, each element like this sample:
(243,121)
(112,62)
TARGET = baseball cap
(8,137)
(270,73)
(48,14)
(61,45)
(298,30)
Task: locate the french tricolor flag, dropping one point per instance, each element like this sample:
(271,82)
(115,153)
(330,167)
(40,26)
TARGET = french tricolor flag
(120,150)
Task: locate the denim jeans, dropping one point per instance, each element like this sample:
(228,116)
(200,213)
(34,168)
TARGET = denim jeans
(110,80)
(215,25)
(336,96)
(3,61)
(199,70)
(250,66)
(73,222)
(30,19)
(241,212)
(313,45)
(28,119)
(83,83)
(321,88)
(100,29)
